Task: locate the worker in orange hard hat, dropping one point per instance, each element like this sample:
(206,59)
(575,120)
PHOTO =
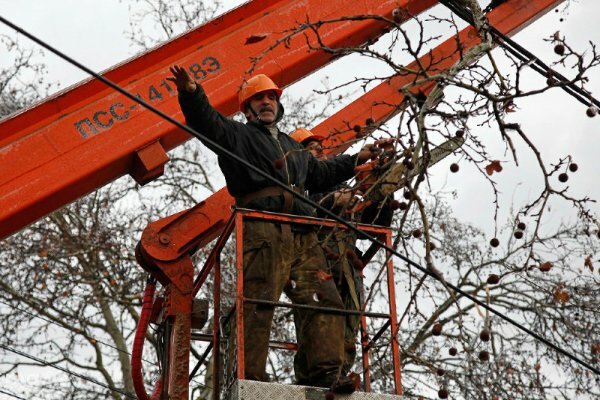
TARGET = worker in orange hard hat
(276,254)
(311,142)
(343,267)
(257,86)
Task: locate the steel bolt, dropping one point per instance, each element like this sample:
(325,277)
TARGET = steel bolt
(163,238)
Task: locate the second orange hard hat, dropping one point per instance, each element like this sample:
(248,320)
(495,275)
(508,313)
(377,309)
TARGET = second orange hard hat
(301,135)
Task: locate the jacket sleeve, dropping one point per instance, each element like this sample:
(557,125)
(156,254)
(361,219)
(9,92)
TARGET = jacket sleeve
(322,175)
(202,117)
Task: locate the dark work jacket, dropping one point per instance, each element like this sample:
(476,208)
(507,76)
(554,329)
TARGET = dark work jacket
(253,142)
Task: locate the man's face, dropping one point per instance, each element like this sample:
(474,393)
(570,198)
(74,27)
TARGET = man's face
(315,148)
(265,105)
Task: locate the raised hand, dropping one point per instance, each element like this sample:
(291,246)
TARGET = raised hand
(182,79)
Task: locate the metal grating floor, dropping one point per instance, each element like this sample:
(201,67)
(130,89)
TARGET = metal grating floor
(253,390)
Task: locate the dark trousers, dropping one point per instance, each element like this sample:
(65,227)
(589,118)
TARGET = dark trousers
(274,256)
(348,282)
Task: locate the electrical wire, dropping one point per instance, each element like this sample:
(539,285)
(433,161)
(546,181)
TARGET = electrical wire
(61,326)
(233,157)
(85,378)
(12,395)
(526,56)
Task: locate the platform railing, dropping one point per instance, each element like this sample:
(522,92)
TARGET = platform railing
(236,314)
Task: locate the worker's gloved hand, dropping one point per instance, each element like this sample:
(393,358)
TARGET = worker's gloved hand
(182,79)
(368,152)
(386,143)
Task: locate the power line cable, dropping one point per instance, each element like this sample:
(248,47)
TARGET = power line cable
(85,378)
(231,156)
(526,56)
(12,395)
(81,332)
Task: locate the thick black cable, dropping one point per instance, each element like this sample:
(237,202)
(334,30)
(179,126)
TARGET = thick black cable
(81,332)
(226,153)
(85,378)
(12,395)
(543,69)
(493,4)
(200,361)
(526,56)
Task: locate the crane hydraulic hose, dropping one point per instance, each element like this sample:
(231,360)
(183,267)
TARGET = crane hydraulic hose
(138,345)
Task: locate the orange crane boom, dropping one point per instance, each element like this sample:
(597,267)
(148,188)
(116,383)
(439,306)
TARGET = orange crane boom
(83,138)
(372,109)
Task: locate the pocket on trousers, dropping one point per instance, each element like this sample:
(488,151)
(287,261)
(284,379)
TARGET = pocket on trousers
(255,261)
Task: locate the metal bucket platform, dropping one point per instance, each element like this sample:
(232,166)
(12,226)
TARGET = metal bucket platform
(254,390)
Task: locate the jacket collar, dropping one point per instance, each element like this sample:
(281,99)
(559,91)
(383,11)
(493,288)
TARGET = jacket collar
(260,126)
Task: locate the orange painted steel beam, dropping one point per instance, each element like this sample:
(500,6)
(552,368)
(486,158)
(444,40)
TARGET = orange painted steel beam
(85,137)
(385,100)
(164,253)
(378,104)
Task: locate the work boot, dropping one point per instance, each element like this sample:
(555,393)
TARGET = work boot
(339,385)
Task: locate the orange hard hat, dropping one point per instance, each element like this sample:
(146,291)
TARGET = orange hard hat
(256,84)
(302,135)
